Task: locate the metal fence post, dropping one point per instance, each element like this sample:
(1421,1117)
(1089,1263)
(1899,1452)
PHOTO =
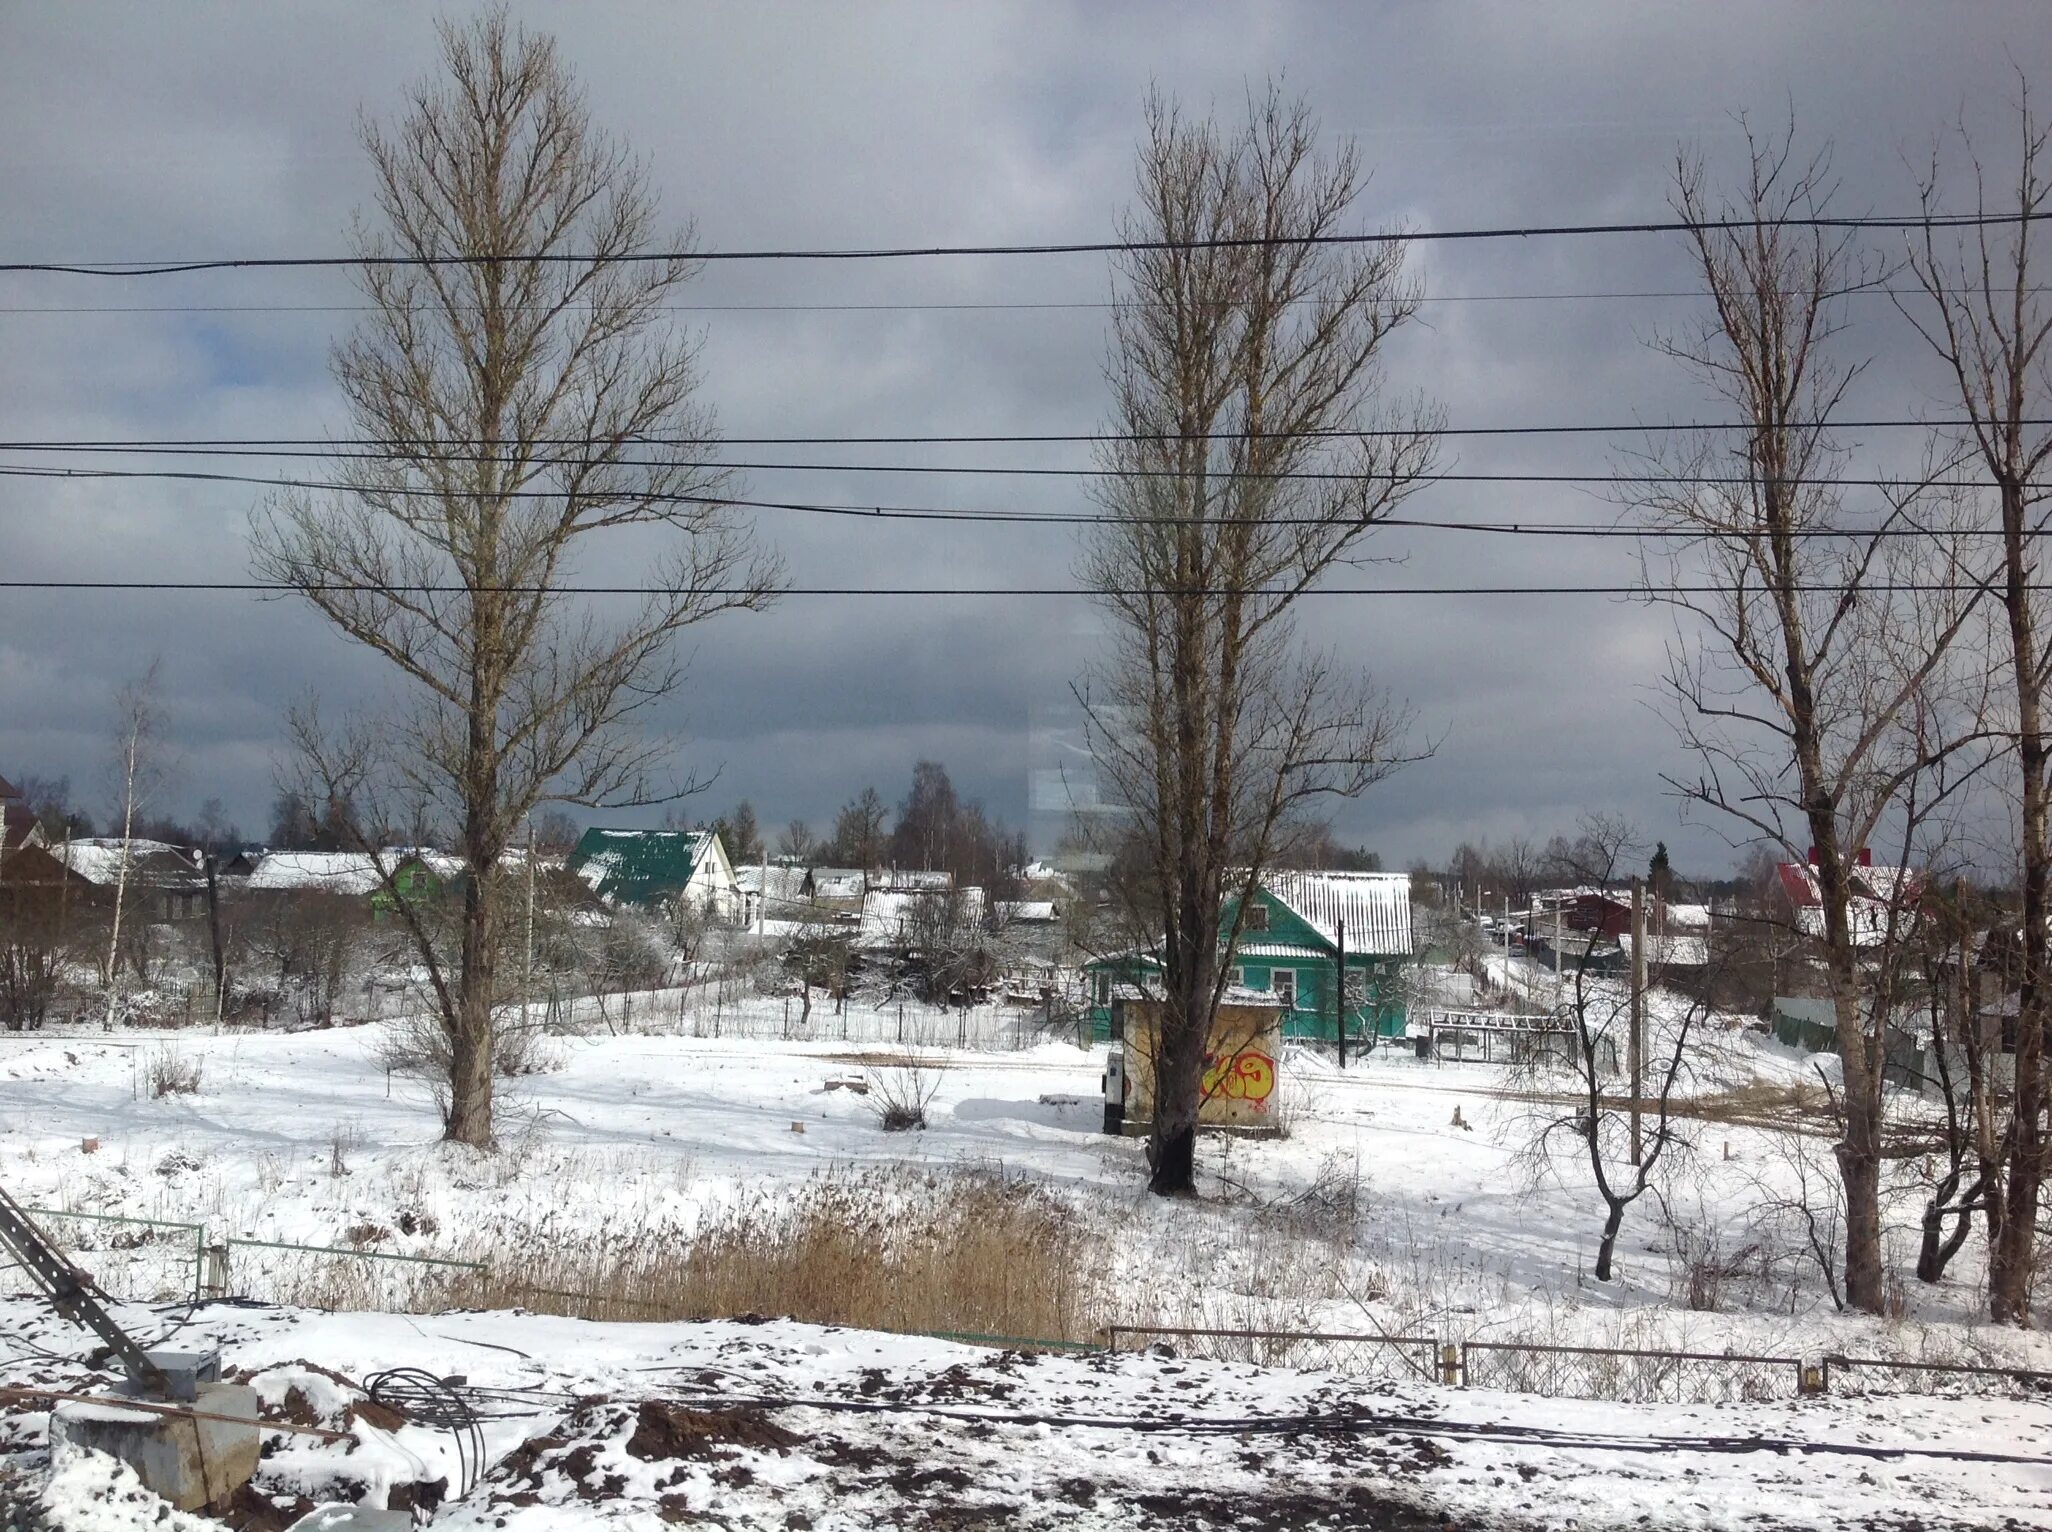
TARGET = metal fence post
(217,1271)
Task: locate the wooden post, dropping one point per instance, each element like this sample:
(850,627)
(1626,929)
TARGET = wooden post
(1635,1043)
(1339,1003)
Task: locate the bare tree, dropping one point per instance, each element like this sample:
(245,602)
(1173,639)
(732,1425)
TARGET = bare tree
(1796,668)
(1247,352)
(1984,313)
(139,768)
(524,396)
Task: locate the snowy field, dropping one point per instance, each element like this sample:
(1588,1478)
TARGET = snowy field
(1404,1199)
(1376,1211)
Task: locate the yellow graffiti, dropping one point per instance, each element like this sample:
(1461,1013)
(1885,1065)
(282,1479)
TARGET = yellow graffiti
(1248,1077)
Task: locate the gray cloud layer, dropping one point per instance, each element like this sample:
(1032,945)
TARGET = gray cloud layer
(141,132)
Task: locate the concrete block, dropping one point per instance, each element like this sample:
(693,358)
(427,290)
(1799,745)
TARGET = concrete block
(189,1462)
(352,1518)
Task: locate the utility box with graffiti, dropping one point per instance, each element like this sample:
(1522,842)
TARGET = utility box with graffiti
(1242,1069)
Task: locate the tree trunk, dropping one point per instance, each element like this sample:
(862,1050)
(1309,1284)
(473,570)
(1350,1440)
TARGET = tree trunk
(1606,1247)
(2012,1258)
(1181,1041)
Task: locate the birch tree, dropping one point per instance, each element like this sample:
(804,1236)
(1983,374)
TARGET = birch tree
(1984,313)
(527,407)
(1243,352)
(138,772)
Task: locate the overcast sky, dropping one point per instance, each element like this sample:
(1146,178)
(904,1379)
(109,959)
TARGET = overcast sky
(146,131)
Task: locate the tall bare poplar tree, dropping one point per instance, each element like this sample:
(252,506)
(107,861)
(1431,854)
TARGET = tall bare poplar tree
(522,394)
(1801,683)
(1243,351)
(1984,313)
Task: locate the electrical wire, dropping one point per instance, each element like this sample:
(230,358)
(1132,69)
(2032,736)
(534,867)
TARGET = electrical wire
(1100,306)
(409,445)
(1644,592)
(179,267)
(972,470)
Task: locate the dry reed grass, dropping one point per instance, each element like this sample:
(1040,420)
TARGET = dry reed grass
(971,1252)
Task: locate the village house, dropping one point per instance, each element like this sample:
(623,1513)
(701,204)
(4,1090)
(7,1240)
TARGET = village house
(659,870)
(161,882)
(416,875)
(1289,948)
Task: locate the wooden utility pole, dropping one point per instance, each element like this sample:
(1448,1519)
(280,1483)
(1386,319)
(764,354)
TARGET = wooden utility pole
(1635,1044)
(1339,993)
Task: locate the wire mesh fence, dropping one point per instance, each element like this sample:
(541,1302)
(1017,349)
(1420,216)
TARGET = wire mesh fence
(340,1277)
(1885,1375)
(1629,1377)
(1349,1354)
(700,1013)
(136,1260)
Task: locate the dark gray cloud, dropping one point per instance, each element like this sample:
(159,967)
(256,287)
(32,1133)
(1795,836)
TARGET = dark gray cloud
(138,131)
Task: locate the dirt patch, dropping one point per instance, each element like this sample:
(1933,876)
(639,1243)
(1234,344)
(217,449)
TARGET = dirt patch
(664,1431)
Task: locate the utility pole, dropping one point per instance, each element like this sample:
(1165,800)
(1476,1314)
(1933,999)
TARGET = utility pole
(527,964)
(1635,1044)
(1339,1002)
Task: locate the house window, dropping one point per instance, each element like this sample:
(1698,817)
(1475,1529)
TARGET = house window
(1103,991)
(1284,982)
(1357,989)
(1254,917)
(1236,976)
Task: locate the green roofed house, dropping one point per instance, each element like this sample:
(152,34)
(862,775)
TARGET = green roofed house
(659,869)
(1289,946)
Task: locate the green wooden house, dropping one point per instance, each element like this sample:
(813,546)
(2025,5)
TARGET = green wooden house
(658,869)
(417,880)
(1288,946)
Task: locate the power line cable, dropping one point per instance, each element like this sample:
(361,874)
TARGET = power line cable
(386,446)
(407,491)
(1015,306)
(179,267)
(972,517)
(1653,592)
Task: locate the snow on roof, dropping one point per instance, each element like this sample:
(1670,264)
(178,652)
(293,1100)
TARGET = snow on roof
(892,916)
(639,866)
(1687,917)
(98,860)
(1376,907)
(1671,951)
(334,872)
(1028,911)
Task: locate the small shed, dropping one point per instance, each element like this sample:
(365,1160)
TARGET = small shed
(1242,1068)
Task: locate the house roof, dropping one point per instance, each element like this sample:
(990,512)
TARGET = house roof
(891,916)
(18,825)
(8,789)
(1031,912)
(639,866)
(1376,907)
(1883,899)
(151,863)
(335,872)
(1674,950)
(780,885)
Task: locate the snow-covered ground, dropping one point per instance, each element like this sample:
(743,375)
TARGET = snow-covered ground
(1404,1199)
(781,1425)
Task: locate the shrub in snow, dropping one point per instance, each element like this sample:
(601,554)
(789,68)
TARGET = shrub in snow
(173,1074)
(900,1092)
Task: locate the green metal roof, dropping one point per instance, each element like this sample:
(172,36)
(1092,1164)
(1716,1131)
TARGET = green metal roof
(638,866)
